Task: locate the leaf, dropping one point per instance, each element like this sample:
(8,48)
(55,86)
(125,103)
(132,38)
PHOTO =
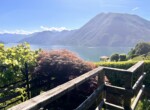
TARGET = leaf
(15,62)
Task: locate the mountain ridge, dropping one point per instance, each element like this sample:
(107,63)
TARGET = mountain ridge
(105,29)
(110,28)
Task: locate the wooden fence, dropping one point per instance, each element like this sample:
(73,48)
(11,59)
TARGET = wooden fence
(130,90)
(12,97)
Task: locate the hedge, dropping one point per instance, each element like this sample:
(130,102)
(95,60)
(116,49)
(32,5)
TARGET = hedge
(128,64)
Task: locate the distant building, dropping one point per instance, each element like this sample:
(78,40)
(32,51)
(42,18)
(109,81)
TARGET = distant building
(104,58)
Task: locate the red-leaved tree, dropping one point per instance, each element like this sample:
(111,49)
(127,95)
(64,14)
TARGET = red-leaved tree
(61,66)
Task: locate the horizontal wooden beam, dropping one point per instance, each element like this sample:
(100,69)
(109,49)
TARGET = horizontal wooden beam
(136,66)
(118,90)
(117,70)
(113,106)
(139,81)
(51,95)
(91,99)
(137,98)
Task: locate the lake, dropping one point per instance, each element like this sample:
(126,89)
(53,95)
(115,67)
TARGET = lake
(87,53)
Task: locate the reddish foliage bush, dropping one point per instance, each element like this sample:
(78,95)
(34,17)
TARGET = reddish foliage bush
(62,65)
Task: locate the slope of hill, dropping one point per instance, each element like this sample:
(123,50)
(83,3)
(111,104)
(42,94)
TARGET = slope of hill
(12,38)
(112,29)
(105,29)
(49,37)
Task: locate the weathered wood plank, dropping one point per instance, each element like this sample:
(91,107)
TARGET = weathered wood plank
(111,106)
(101,76)
(136,66)
(137,98)
(51,95)
(91,99)
(128,84)
(101,81)
(139,81)
(118,90)
(117,70)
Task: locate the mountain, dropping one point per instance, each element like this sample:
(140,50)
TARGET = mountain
(12,38)
(112,29)
(105,29)
(49,37)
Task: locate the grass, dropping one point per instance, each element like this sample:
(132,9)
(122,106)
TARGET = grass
(142,57)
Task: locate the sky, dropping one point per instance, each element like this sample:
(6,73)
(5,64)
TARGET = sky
(28,16)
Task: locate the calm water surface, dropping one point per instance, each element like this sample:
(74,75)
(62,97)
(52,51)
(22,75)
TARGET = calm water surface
(87,53)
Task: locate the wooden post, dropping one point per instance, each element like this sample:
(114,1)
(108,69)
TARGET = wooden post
(101,81)
(27,79)
(101,75)
(128,86)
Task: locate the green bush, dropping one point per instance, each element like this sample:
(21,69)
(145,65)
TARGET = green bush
(12,65)
(128,64)
(143,104)
(122,57)
(12,61)
(140,49)
(121,65)
(114,57)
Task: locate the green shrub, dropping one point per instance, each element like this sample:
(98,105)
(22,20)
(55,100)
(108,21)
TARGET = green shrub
(17,99)
(122,65)
(128,64)
(140,49)
(143,104)
(122,57)
(114,57)
(12,61)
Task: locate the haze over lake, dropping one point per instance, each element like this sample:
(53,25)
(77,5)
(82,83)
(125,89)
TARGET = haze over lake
(87,53)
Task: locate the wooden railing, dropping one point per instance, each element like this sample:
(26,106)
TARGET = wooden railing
(128,90)
(29,88)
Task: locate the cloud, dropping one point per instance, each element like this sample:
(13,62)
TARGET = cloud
(136,8)
(53,28)
(18,31)
(25,32)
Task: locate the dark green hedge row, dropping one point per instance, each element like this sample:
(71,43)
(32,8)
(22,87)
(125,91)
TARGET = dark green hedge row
(128,64)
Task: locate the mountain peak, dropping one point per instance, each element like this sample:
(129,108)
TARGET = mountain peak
(105,29)
(113,29)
